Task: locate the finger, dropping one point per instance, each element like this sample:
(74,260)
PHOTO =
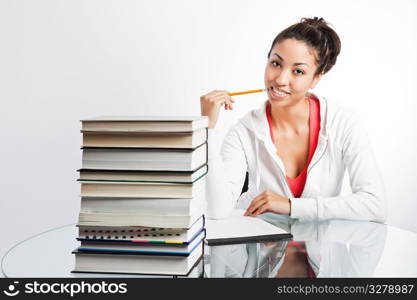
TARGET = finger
(249,209)
(217,93)
(257,208)
(220,92)
(226,95)
(265,207)
(254,206)
(230,103)
(221,96)
(223,100)
(259,197)
(254,202)
(261,209)
(213,94)
(218,100)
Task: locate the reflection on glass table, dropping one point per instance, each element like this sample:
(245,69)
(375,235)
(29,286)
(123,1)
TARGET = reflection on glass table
(252,260)
(333,248)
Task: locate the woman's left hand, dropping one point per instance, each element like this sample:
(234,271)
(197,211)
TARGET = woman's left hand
(269,201)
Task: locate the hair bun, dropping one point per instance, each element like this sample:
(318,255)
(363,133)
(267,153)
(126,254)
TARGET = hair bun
(315,22)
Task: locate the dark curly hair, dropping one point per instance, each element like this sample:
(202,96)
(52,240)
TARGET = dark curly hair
(316,33)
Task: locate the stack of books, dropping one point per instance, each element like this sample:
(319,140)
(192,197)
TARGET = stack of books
(142,195)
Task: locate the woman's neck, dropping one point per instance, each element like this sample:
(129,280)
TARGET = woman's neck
(292,119)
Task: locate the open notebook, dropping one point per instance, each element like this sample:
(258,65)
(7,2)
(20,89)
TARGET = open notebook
(241,229)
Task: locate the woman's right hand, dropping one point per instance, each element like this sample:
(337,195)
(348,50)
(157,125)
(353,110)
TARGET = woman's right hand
(211,103)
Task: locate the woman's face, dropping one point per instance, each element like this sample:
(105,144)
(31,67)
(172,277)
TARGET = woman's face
(289,73)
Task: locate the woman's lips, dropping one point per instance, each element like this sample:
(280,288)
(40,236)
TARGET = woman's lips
(277,93)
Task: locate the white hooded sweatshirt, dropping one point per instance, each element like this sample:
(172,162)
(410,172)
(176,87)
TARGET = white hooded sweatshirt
(343,144)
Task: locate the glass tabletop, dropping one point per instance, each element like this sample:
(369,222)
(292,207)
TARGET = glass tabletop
(333,248)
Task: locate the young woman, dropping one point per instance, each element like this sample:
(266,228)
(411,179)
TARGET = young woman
(297,145)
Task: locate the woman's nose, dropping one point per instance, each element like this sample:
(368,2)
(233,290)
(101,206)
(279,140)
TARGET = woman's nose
(283,77)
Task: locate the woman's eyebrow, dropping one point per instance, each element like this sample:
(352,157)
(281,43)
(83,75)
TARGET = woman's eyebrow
(295,64)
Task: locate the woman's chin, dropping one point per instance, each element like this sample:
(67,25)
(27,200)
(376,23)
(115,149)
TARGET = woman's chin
(279,101)
(284,101)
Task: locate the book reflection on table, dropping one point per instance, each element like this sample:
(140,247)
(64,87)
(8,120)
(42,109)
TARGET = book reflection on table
(251,260)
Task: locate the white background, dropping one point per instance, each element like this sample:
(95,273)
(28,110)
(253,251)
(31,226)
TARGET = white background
(62,61)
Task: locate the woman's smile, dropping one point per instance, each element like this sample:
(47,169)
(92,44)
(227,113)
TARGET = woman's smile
(277,93)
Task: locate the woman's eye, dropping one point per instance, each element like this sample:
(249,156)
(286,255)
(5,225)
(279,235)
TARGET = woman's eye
(275,63)
(299,72)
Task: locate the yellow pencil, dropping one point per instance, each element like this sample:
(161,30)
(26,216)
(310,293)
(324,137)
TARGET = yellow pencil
(246,92)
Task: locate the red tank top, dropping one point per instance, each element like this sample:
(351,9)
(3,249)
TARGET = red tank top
(297,184)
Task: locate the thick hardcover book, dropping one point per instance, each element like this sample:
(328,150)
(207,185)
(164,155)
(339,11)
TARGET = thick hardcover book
(143,176)
(151,206)
(141,159)
(141,234)
(145,123)
(186,140)
(142,189)
(132,219)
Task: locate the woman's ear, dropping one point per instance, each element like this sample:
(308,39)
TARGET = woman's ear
(316,80)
